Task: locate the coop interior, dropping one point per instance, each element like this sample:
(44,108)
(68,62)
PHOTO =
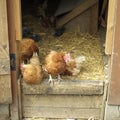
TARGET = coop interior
(74,26)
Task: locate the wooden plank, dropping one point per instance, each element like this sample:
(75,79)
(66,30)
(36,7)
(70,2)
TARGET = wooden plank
(75,12)
(110,26)
(4,30)
(85,22)
(4,66)
(114,90)
(5,78)
(13,50)
(66,87)
(62,101)
(4,112)
(5,89)
(18,19)
(80,24)
(55,112)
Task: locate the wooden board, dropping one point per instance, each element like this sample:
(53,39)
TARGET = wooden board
(13,25)
(114,91)
(66,87)
(5,89)
(5,78)
(75,12)
(110,26)
(60,112)
(62,101)
(18,19)
(4,112)
(87,21)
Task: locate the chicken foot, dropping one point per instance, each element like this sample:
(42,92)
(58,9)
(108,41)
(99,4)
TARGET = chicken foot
(50,78)
(59,78)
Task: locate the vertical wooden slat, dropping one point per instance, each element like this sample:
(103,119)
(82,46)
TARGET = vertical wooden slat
(12,9)
(5,78)
(18,24)
(110,26)
(114,91)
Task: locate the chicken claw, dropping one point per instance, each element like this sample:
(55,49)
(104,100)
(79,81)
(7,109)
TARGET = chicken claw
(59,78)
(50,79)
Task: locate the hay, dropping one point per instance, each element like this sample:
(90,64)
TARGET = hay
(74,42)
(77,44)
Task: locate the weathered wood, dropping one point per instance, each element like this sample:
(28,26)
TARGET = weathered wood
(4,112)
(114,93)
(4,66)
(18,19)
(85,22)
(5,78)
(60,112)
(110,26)
(71,101)
(3,52)
(4,30)
(75,12)
(65,87)
(80,24)
(11,7)
(5,89)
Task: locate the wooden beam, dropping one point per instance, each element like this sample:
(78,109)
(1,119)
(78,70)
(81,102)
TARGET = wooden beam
(114,89)
(13,51)
(110,26)
(18,19)
(5,76)
(63,112)
(65,87)
(75,12)
(62,101)
(4,112)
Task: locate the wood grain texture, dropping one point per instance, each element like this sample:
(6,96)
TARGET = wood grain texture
(5,78)
(114,90)
(13,25)
(110,26)
(60,112)
(66,87)
(5,89)
(71,101)
(75,12)
(4,112)
(4,66)
(18,19)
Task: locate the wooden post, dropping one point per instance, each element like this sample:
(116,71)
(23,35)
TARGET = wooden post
(14,25)
(11,31)
(114,90)
(110,26)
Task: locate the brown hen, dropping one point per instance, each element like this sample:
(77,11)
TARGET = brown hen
(26,48)
(55,64)
(32,73)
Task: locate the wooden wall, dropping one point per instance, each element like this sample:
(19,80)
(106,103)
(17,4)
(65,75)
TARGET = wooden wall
(69,99)
(114,91)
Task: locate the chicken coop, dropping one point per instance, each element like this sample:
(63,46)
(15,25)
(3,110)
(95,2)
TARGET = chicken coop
(81,28)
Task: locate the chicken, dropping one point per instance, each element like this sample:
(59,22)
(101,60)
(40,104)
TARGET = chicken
(73,66)
(26,48)
(55,64)
(32,72)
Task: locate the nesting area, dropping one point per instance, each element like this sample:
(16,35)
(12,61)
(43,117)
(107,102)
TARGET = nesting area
(76,43)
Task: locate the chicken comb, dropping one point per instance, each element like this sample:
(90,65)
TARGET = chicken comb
(67,57)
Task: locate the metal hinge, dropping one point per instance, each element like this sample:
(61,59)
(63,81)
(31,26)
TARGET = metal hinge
(12,62)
